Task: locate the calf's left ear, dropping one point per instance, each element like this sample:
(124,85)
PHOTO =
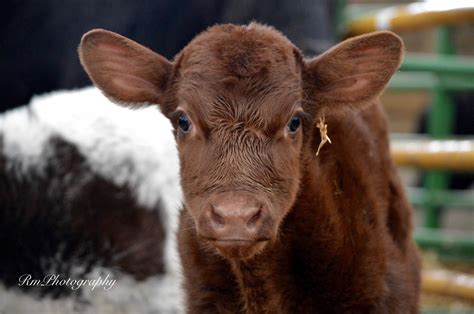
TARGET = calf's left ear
(355,70)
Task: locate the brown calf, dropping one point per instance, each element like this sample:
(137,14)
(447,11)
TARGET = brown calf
(268,226)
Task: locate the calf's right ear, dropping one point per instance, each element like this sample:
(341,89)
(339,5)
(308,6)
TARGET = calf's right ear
(128,73)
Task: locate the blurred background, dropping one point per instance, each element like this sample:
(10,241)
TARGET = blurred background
(430,102)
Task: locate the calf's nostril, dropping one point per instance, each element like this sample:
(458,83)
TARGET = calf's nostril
(216,218)
(254,217)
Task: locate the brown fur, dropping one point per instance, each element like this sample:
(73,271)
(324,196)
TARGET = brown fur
(334,231)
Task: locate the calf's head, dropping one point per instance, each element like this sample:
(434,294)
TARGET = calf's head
(243,102)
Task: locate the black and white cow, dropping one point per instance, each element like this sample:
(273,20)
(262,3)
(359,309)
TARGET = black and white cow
(88,190)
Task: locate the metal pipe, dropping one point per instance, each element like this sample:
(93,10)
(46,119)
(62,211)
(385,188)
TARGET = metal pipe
(457,155)
(449,283)
(413,16)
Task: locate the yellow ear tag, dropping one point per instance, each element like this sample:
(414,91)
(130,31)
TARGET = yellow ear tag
(323,131)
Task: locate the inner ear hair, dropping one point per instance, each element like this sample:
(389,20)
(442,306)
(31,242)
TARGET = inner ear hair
(357,69)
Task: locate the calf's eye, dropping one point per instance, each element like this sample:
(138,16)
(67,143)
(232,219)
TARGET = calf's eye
(294,124)
(184,123)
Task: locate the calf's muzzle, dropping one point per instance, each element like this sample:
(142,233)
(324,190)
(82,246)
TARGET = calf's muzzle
(237,223)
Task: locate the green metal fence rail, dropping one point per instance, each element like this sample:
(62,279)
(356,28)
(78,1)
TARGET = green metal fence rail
(451,243)
(440,74)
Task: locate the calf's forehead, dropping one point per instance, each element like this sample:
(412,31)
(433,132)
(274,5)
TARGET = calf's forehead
(254,69)
(240,52)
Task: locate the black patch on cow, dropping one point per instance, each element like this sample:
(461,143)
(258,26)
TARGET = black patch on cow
(63,215)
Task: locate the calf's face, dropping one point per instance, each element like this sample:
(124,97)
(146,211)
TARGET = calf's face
(242,101)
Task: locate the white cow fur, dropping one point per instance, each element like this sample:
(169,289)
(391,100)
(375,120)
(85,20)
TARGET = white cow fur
(109,137)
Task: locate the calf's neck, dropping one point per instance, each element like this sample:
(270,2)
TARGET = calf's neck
(267,225)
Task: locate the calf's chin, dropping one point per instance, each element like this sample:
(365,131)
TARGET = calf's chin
(239,250)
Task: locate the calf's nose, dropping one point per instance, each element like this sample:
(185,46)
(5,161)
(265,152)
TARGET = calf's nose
(235,216)
(223,215)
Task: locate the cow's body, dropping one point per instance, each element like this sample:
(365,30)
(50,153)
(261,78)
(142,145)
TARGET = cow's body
(87,193)
(268,225)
